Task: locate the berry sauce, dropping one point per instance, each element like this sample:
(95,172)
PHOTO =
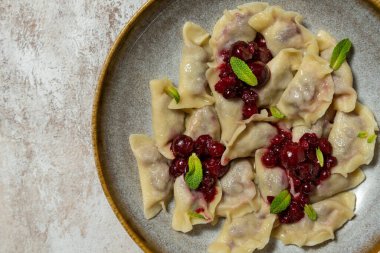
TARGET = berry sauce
(256,55)
(209,152)
(302,168)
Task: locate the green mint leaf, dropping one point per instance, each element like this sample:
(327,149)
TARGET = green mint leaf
(195,215)
(363,134)
(320,158)
(310,212)
(195,174)
(172,92)
(372,138)
(242,71)
(276,112)
(280,202)
(339,54)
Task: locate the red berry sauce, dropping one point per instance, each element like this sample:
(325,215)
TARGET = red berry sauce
(300,162)
(209,152)
(256,55)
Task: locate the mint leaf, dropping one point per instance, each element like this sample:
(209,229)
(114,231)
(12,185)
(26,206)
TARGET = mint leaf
(242,71)
(363,134)
(320,158)
(195,215)
(310,212)
(372,138)
(195,174)
(280,202)
(171,91)
(339,54)
(276,112)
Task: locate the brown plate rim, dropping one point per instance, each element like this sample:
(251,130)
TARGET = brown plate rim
(96,116)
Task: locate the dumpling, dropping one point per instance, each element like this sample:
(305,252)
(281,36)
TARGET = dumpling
(167,123)
(233,26)
(192,85)
(238,190)
(350,150)
(282,29)
(229,111)
(155,181)
(345,96)
(310,93)
(332,214)
(282,67)
(247,139)
(271,181)
(187,201)
(203,121)
(337,183)
(263,116)
(245,234)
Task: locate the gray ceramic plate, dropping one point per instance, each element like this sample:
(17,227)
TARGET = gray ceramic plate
(150,47)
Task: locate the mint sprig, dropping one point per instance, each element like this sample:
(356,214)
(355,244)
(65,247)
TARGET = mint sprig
(310,212)
(340,53)
(280,202)
(195,174)
(242,71)
(276,112)
(372,138)
(195,215)
(320,158)
(172,92)
(363,134)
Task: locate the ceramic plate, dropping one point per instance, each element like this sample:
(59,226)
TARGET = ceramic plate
(149,47)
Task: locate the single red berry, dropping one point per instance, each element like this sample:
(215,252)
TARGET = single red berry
(201,145)
(269,159)
(261,71)
(178,167)
(307,188)
(241,50)
(249,110)
(216,149)
(182,146)
(264,54)
(325,146)
(330,162)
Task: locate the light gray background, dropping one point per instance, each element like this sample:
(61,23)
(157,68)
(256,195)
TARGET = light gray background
(51,55)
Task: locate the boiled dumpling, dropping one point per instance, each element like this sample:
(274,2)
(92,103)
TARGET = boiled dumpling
(332,214)
(247,139)
(310,93)
(282,29)
(155,181)
(337,183)
(238,190)
(245,234)
(345,96)
(203,121)
(187,201)
(231,27)
(282,68)
(271,181)
(350,150)
(167,123)
(192,85)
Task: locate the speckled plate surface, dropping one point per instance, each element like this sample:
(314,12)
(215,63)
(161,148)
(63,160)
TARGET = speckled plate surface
(150,47)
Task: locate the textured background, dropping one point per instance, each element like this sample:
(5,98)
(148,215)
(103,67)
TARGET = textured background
(51,55)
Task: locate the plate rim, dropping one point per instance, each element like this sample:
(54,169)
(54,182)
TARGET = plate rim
(144,245)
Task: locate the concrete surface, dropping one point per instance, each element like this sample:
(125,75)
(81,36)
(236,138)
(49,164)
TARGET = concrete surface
(51,54)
